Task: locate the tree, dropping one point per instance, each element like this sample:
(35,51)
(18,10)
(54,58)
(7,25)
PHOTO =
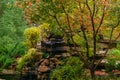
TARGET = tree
(82,20)
(29,7)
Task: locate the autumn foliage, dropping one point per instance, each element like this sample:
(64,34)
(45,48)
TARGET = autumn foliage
(29,6)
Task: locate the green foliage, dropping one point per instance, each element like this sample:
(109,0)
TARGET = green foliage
(113,57)
(118,66)
(12,25)
(2,59)
(8,62)
(118,45)
(111,65)
(10,53)
(114,14)
(5,61)
(47,29)
(7,43)
(78,40)
(32,35)
(9,47)
(18,50)
(71,70)
(114,54)
(44,30)
(28,59)
(4,4)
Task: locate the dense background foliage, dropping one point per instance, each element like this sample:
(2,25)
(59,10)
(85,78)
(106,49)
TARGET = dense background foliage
(12,25)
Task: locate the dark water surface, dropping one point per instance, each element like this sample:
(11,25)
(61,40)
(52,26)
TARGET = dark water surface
(17,77)
(9,77)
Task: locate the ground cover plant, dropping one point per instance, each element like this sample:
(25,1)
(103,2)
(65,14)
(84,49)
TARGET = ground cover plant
(72,69)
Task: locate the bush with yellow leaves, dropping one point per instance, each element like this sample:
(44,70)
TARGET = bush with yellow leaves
(28,59)
(32,35)
(44,30)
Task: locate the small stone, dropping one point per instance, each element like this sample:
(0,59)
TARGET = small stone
(45,62)
(43,69)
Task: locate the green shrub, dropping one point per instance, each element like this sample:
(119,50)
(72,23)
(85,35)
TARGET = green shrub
(118,66)
(111,65)
(114,54)
(71,70)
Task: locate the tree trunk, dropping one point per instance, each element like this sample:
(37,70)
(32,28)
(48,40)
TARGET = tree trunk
(92,73)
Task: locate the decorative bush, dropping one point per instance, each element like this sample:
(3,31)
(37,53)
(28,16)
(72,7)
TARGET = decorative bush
(28,59)
(48,30)
(44,30)
(32,35)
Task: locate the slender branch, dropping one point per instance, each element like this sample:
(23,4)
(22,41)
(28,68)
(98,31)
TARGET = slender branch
(55,17)
(111,34)
(88,7)
(86,40)
(93,8)
(119,33)
(101,21)
(84,34)
(68,21)
(117,23)
(117,37)
(93,29)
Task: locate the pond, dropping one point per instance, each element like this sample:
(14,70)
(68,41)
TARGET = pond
(9,77)
(18,77)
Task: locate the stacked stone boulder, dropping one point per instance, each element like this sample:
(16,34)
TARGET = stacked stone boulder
(55,49)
